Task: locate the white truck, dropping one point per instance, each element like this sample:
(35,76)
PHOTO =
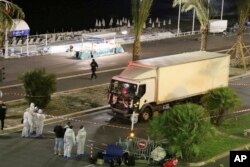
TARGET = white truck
(156,84)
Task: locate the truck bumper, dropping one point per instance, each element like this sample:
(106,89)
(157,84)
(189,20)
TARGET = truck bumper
(119,113)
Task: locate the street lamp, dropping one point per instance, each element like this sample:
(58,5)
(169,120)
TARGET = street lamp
(179,16)
(222,9)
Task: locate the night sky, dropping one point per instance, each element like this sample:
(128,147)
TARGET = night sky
(64,15)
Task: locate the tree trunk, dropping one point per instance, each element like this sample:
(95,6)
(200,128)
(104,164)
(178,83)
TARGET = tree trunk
(239,53)
(204,34)
(220,118)
(2,37)
(137,49)
(238,47)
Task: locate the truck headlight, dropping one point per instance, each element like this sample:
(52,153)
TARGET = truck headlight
(136,105)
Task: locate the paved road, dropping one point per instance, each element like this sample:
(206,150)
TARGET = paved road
(30,152)
(39,152)
(33,152)
(63,65)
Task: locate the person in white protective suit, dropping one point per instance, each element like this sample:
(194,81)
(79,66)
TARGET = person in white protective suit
(31,118)
(69,141)
(40,117)
(80,140)
(35,119)
(26,127)
(67,125)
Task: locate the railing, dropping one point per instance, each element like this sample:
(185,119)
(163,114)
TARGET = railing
(37,42)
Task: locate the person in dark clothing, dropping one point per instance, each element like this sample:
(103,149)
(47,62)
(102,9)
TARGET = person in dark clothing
(3,109)
(93,66)
(59,133)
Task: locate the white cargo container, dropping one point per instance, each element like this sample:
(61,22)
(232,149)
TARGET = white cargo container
(153,84)
(217,26)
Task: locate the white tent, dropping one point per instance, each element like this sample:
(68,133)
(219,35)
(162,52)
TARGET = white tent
(100,23)
(150,21)
(103,23)
(19,28)
(153,25)
(164,22)
(128,23)
(96,23)
(111,22)
(157,20)
(169,22)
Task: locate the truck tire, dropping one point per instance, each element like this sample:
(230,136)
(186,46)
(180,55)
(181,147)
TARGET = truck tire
(145,115)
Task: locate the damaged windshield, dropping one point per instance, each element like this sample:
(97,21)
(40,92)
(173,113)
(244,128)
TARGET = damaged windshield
(123,88)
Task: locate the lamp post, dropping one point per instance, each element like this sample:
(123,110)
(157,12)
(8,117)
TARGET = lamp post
(27,45)
(222,9)
(179,17)
(6,45)
(193,21)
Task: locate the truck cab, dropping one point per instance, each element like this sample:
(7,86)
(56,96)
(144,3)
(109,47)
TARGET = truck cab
(128,96)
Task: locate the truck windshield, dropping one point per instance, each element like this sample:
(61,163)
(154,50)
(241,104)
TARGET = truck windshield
(123,88)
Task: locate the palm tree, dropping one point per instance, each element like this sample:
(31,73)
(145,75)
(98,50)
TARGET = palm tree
(8,11)
(140,12)
(202,12)
(218,102)
(243,7)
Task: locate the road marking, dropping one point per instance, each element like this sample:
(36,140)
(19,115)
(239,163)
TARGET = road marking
(70,76)
(85,74)
(50,132)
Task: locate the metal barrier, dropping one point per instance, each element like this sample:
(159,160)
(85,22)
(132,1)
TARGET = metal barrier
(141,148)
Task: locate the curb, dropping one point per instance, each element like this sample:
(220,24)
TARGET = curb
(58,118)
(215,158)
(240,76)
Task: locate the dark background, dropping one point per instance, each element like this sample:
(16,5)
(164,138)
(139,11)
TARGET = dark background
(66,15)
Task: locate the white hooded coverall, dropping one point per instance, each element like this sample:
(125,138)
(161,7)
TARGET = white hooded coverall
(80,139)
(26,127)
(69,142)
(40,117)
(30,117)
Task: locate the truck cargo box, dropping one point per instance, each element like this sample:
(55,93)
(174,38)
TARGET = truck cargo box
(182,75)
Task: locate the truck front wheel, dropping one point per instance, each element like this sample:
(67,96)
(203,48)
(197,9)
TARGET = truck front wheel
(145,115)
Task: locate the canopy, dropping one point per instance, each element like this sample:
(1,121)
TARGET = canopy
(19,28)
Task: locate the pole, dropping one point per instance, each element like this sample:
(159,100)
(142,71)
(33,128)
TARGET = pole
(82,42)
(132,121)
(193,21)
(222,9)
(46,40)
(208,2)
(179,15)
(27,45)
(91,150)
(6,50)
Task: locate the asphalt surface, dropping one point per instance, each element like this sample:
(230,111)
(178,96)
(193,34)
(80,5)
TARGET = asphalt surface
(78,71)
(39,152)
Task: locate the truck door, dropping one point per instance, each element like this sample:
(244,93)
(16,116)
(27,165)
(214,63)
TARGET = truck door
(146,92)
